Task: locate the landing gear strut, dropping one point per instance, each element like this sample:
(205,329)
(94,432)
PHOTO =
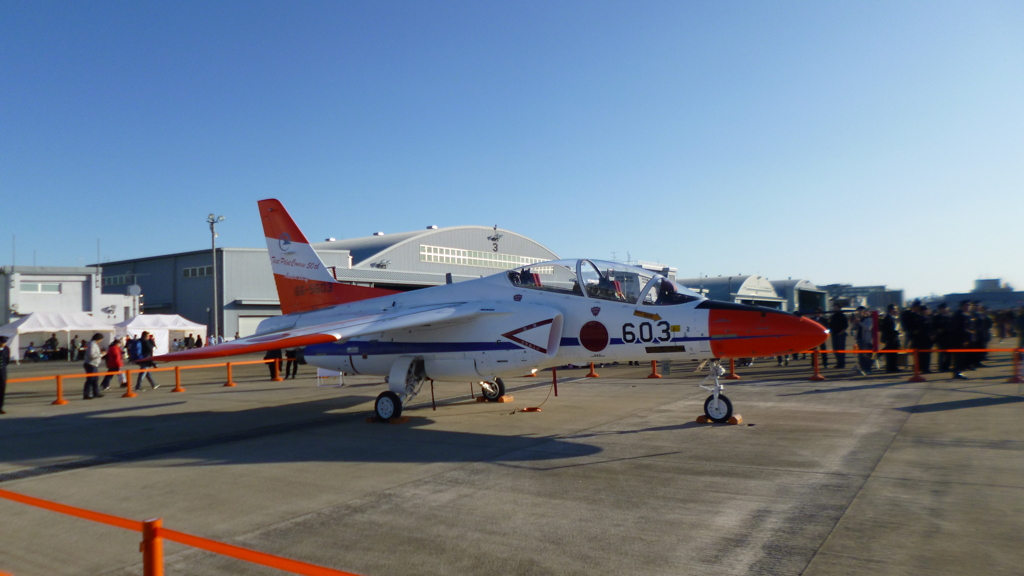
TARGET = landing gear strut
(717,407)
(493,390)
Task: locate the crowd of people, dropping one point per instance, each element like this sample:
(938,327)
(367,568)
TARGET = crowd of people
(968,327)
(137,350)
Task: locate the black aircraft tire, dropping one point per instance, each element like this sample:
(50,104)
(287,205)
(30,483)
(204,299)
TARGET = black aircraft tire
(497,390)
(720,414)
(388,406)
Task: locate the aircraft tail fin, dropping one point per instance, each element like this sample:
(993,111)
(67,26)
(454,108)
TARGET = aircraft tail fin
(304,283)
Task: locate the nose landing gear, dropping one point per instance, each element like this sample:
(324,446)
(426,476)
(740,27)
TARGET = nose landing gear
(717,407)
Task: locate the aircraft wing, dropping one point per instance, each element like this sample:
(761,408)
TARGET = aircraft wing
(421,317)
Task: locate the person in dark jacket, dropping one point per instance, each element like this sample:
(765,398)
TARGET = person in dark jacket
(960,336)
(145,347)
(291,366)
(5,359)
(921,338)
(837,325)
(984,332)
(273,355)
(940,333)
(889,331)
(819,317)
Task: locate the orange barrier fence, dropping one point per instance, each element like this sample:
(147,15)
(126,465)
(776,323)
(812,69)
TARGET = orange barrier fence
(153,535)
(1015,377)
(59,378)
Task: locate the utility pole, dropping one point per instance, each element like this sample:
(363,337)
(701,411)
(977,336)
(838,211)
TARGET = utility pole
(213,220)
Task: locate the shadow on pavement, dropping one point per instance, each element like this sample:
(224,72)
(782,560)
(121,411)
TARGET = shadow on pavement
(962,404)
(85,439)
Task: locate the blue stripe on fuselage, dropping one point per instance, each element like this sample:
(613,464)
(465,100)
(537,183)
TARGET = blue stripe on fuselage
(372,348)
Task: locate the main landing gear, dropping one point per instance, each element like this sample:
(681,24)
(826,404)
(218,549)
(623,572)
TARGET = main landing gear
(717,407)
(493,390)
(388,405)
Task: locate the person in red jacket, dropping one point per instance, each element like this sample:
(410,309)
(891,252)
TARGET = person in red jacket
(115,361)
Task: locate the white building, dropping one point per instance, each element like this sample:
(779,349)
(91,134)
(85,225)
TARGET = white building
(28,289)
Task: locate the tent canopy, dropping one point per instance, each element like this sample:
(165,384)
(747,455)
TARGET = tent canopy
(163,327)
(37,327)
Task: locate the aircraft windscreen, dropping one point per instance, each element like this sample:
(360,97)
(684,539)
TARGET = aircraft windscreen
(664,292)
(559,276)
(613,281)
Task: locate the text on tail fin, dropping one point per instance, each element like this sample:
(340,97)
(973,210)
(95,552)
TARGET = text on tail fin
(303,281)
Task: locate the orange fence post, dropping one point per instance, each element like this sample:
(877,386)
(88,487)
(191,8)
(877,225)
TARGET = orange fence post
(231,381)
(592,374)
(177,380)
(554,379)
(654,370)
(152,548)
(60,401)
(816,377)
(129,393)
(917,369)
(732,371)
(1014,378)
(277,371)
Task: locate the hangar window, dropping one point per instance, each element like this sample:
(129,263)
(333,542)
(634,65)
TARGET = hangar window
(442,255)
(197,271)
(41,287)
(115,280)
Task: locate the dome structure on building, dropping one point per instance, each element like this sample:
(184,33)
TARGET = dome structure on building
(752,289)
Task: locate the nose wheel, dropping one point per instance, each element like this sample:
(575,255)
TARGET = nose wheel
(388,405)
(717,407)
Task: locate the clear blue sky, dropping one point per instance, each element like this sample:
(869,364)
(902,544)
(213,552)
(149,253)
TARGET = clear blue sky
(854,142)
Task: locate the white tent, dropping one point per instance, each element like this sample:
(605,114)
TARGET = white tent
(38,326)
(163,327)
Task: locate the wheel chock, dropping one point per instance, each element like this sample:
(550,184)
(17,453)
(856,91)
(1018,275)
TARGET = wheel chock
(734,420)
(500,400)
(399,420)
(533,409)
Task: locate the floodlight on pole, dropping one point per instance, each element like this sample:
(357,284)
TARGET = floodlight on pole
(212,221)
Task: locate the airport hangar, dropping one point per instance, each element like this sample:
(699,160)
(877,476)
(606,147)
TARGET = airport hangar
(183,283)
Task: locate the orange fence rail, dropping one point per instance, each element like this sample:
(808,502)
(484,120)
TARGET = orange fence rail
(153,535)
(59,378)
(1016,353)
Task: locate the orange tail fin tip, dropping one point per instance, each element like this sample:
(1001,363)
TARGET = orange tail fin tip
(303,281)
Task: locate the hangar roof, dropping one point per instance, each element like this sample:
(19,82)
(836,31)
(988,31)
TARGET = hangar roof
(728,288)
(783,286)
(369,248)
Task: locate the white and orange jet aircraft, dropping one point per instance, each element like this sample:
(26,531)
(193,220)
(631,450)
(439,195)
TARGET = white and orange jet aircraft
(538,316)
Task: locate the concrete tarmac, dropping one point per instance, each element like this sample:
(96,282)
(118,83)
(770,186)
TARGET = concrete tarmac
(857,476)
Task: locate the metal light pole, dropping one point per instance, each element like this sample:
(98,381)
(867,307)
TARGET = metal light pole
(213,220)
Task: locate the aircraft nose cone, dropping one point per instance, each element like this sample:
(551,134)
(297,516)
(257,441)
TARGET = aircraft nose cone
(807,334)
(739,331)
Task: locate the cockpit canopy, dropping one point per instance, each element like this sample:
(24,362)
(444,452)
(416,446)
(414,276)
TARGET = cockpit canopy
(603,281)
